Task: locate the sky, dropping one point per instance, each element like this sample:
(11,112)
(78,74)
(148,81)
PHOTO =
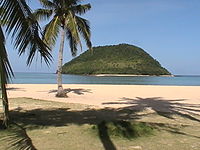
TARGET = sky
(169,30)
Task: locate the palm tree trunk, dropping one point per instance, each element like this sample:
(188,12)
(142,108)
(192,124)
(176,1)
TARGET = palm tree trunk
(5,68)
(61,92)
(5,104)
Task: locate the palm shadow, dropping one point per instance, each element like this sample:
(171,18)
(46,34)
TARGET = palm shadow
(43,118)
(2,127)
(79,91)
(15,89)
(64,116)
(163,107)
(104,136)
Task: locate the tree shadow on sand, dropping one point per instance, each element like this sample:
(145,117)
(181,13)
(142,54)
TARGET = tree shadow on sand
(42,118)
(16,89)
(163,107)
(75,91)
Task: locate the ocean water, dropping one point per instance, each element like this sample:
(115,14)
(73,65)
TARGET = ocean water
(50,78)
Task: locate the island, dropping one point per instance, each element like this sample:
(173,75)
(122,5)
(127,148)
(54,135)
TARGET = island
(122,59)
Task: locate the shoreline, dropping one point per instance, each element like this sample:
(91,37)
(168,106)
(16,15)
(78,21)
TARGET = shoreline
(129,75)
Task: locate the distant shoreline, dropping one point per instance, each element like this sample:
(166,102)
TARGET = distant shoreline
(129,75)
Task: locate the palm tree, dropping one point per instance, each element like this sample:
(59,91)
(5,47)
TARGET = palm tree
(5,73)
(25,32)
(66,20)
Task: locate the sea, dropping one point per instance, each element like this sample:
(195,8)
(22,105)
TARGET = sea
(50,78)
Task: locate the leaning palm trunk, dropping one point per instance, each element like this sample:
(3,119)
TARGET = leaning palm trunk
(4,68)
(5,73)
(4,101)
(5,107)
(61,92)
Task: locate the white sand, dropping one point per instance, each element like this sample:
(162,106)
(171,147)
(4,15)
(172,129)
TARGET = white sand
(123,95)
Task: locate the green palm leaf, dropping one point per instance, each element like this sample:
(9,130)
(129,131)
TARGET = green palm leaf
(17,138)
(47,4)
(51,31)
(21,24)
(4,63)
(84,29)
(72,43)
(72,27)
(24,29)
(42,14)
(81,9)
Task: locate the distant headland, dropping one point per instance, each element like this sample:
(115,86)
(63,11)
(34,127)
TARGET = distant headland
(116,60)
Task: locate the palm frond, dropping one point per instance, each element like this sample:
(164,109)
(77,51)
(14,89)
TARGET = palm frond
(81,9)
(59,2)
(84,29)
(47,3)
(71,25)
(17,138)
(72,43)
(2,22)
(51,31)
(72,2)
(25,29)
(1,10)
(42,14)
(4,62)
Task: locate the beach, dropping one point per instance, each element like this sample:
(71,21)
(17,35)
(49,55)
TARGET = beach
(113,96)
(164,117)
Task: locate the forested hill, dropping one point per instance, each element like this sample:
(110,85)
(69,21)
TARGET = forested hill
(115,59)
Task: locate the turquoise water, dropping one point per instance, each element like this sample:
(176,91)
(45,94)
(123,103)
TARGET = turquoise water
(50,78)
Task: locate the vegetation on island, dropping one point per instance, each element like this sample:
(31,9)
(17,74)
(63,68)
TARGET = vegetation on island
(115,59)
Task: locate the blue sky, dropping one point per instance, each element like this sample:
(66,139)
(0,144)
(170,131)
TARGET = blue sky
(169,30)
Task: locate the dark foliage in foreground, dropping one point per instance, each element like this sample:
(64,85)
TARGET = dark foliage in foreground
(17,138)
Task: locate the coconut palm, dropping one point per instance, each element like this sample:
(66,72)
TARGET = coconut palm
(5,73)
(66,22)
(25,32)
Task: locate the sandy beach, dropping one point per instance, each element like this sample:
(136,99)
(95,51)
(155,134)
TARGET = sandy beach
(114,96)
(172,113)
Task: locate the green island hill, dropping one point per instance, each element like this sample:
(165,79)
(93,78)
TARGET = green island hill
(115,59)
